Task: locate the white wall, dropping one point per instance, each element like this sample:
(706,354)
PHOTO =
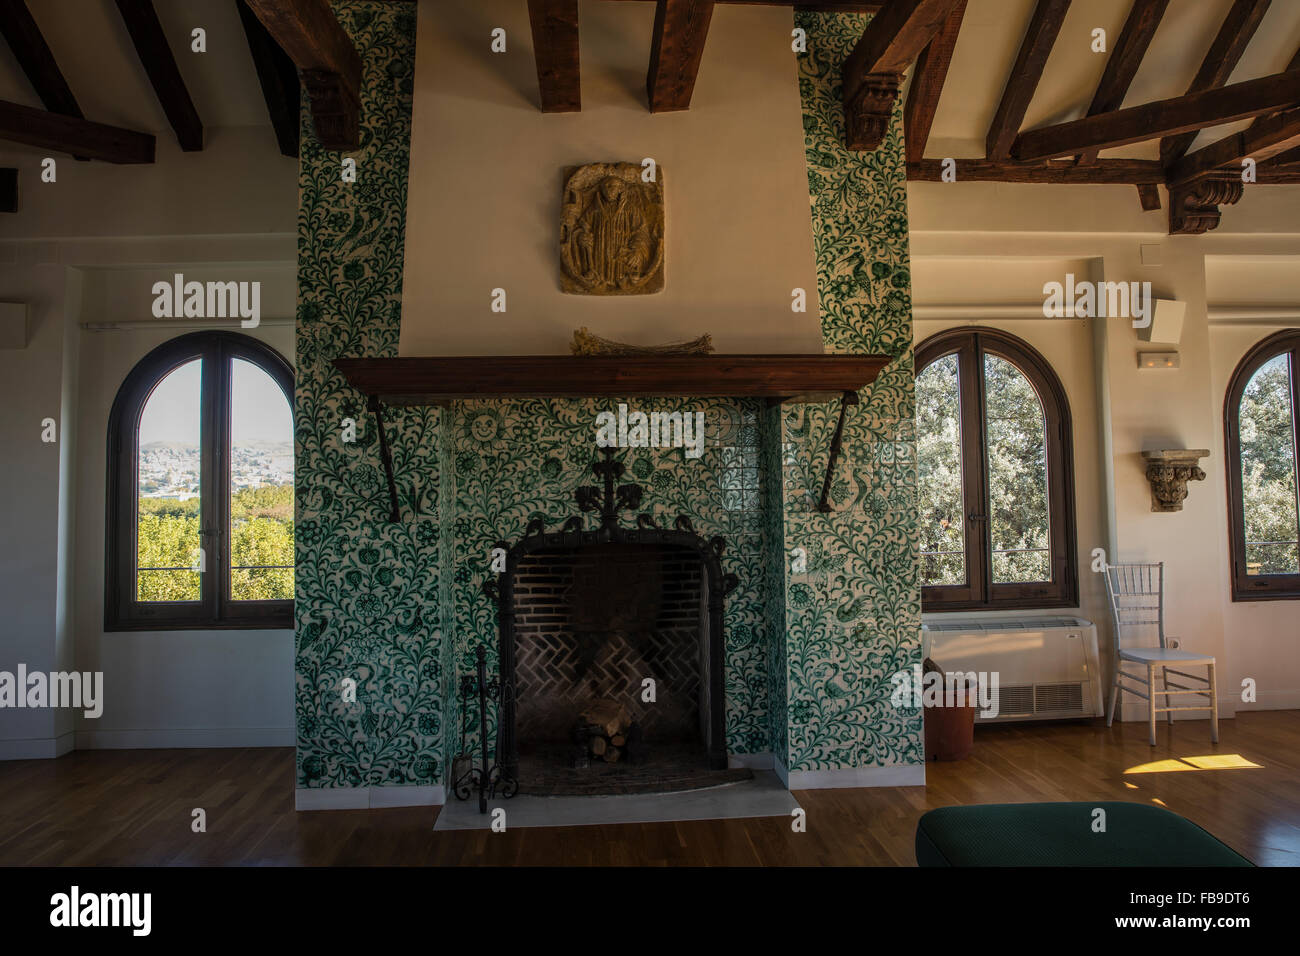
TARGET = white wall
(35,497)
(1006,230)
(85,251)
(486,183)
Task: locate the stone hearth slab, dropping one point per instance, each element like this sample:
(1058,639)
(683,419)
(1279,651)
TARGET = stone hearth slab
(764,796)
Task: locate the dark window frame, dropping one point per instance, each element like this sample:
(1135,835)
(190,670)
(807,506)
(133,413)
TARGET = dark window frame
(213,610)
(970,344)
(1259,587)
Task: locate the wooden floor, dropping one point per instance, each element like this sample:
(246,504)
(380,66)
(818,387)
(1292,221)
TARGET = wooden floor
(131,807)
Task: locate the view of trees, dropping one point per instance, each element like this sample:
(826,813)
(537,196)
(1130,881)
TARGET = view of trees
(261,544)
(1268,472)
(1017,459)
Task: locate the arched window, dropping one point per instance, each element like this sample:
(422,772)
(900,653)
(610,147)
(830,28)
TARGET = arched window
(200,488)
(995,475)
(1260,431)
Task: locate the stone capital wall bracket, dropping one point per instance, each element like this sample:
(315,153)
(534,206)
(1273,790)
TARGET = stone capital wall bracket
(1169,470)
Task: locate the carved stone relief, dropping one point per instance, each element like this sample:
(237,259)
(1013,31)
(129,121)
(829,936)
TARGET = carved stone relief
(612,230)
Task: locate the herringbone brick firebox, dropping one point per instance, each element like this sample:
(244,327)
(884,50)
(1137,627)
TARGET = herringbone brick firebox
(595,623)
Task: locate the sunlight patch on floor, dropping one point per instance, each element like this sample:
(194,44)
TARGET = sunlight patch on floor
(1206,762)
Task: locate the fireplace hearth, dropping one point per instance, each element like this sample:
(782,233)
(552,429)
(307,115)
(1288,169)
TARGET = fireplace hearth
(610,649)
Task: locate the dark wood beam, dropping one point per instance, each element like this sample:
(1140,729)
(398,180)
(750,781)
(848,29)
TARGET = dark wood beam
(159,64)
(927,84)
(1123,63)
(426,380)
(681,27)
(1040,36)
(874,69)
(33,55)
(1180,114)
(8,189)
(71,134)
(1136,172)
(1149,197)
(331,67)
(278,78)
(555,48)
(1224,53)
(1293,65)
(1260,141)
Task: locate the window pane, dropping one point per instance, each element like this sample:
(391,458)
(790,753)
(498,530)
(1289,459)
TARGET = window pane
(1017,452)
(938,439)
(261,486)
(167,503)
(1266,423)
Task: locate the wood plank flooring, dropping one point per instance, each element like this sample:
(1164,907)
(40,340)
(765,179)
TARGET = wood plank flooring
(133,807)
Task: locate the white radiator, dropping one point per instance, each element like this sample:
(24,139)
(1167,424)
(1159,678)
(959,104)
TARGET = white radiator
(1047,667)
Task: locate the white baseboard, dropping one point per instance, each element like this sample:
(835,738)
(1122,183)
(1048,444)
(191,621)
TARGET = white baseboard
(37,748)
(902,775)
(752,761)
(367,798)
(186,738)
(1271,700)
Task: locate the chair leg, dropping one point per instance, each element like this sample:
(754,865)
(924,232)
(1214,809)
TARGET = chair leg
(1114,693)
(1164,677)
(1151,701)
(1214,706)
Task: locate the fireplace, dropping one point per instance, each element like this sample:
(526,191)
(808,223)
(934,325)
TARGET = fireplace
(626,622)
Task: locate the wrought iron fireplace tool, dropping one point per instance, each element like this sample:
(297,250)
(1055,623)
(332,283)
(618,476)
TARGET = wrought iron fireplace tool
(487,778)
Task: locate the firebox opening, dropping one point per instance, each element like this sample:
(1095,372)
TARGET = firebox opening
(612,669)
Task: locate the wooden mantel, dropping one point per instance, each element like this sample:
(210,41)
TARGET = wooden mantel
(435,380)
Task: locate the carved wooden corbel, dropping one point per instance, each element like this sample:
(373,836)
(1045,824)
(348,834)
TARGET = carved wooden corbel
(868,109)
(1194,206)
(1169,470)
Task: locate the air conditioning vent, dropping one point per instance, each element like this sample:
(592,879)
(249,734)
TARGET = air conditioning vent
(1047,667)
(1016,701)
(1058,698)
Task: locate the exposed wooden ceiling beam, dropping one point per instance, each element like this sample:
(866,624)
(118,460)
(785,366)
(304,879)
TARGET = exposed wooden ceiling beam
(1260,141)
(555,48)
(927,84)
(873,71)
(278,78)
(1181,114)
(1149,196)
(331,67)
(1124,60)
(1126,172)
(33,55)
(1224,53)
(681,27)
(159,64)
(71,134)
(1040,36)
(1293,65)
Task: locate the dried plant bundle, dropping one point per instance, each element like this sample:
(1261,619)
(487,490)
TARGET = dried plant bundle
(586,342)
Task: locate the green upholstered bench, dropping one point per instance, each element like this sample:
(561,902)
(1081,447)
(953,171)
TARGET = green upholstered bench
(1061,834)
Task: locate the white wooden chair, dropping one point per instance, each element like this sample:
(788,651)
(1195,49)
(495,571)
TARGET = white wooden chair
(1137,602)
